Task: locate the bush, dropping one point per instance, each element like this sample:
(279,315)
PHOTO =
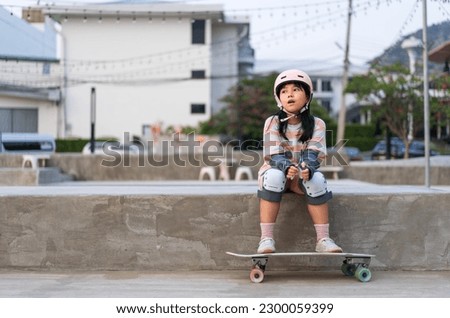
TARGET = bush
(73,145)
(360,136)
(70,145)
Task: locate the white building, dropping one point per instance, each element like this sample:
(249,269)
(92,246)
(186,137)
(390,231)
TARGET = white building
(149,63)
(27,56)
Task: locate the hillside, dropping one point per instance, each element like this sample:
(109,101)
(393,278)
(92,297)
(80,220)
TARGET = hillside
(437,34)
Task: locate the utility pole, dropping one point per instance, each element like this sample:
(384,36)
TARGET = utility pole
(343,109)
(426,102)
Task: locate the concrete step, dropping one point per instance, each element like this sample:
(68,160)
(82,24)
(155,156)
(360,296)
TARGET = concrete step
(52,175)
(190,226)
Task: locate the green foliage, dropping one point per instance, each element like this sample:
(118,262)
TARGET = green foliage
(319,111)
(70,145)
(361,136)
(357,135)
(392,92)
(440,100)
(216,125)
(248,105)
(74,145)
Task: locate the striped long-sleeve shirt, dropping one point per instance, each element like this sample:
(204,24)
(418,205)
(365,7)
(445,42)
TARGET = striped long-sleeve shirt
(281,153)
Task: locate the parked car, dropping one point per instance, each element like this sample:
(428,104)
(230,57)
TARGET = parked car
(379,152)
(26,143)
(347,153)
(416,149)
(353,153)
(110,148)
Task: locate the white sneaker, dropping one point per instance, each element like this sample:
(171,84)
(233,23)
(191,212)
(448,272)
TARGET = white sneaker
(327,245)
(266,246)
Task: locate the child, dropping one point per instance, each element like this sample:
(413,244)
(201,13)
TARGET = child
(294,146)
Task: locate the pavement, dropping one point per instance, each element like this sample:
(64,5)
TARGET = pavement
(222,284)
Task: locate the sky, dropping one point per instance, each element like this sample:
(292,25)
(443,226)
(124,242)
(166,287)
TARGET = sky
(315,31)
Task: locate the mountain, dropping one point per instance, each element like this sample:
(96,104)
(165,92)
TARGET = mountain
(437,34)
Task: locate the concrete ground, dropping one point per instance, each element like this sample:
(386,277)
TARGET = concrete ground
(222,284)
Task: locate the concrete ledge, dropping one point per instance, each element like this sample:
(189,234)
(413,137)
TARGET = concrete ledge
(190,225)
(147,167)
(187,167)
(400,171)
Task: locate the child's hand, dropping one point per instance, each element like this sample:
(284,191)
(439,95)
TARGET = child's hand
(304,174)
(292,172)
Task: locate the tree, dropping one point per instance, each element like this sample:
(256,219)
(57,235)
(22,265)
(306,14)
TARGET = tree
(440,103)
(249,104)
(392,93)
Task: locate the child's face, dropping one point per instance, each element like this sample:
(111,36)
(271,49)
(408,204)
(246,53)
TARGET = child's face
(293,97)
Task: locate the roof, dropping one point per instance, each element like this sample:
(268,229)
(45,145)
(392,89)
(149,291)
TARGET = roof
(25,42)
(34,93)
(440,54)
(141,8)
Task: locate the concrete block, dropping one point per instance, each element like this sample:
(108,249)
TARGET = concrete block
(407,229)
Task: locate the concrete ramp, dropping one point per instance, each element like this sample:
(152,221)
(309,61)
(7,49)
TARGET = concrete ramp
(189,225)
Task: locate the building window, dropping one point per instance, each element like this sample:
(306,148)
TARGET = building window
(46,68)
(198,108)
(326,86)
(198,32)
(18,120)
(314,84)
(198,74)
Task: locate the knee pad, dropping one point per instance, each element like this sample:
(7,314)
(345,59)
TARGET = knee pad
(316,186)
(271,185)
(274,180)
(316,189)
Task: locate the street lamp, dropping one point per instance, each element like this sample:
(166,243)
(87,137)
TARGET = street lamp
(409,45)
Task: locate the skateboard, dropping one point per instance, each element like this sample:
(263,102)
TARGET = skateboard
(354,265)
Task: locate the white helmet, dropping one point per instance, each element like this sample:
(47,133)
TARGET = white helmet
(290,76)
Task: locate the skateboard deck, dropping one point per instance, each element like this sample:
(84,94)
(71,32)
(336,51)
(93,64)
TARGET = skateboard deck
(354,264)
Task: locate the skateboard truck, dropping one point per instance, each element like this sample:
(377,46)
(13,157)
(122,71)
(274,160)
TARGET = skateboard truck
(258,268)
(358,267)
